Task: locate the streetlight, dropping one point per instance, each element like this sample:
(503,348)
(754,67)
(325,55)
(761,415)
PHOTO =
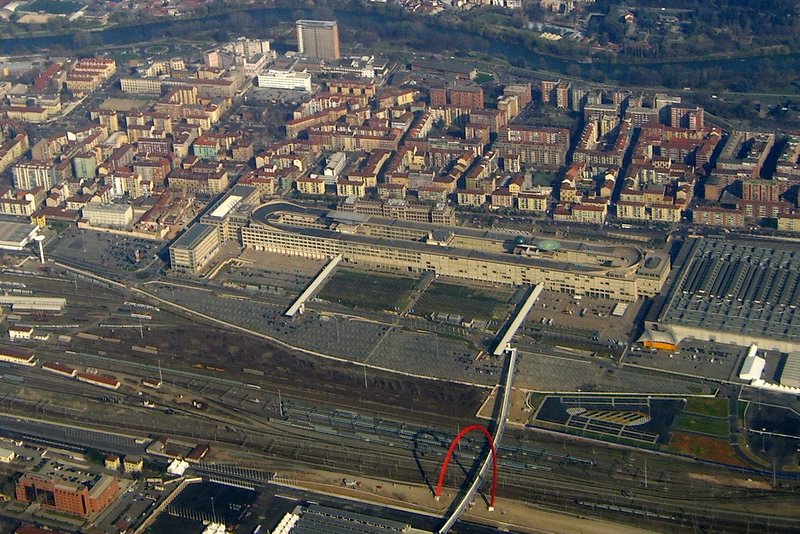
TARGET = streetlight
(763,430)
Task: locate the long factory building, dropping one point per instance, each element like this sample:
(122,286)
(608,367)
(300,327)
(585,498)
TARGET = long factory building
(734,291)
(623,273)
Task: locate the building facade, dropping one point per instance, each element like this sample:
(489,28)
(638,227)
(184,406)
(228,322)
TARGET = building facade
(194,249)
(318,38)
(66,496)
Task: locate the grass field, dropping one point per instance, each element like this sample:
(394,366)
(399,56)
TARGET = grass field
(742,408)
(704,425)
(52,6)
(535,400)
(371,291)
(705,448)
(469,302)
(704,406)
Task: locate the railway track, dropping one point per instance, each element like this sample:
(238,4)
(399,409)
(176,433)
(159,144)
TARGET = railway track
(557,489)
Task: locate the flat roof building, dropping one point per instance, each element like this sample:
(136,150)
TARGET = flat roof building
(16,236)
(623,273)
(232,211)
(194,249)
(110,215)
(323,519)
(282,79)
(790,376)
(82,498)
(318,38)
(735,291)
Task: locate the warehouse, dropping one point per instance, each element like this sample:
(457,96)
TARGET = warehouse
(735,291)
(790,375)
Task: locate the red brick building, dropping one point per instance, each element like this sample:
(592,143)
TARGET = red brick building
(65,496)
(465,96)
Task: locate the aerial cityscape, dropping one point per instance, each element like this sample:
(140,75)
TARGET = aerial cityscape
(372,266)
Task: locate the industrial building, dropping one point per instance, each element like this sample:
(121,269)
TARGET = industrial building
(790,375)
(623,273)
(194,249)
(22,303)
(16,236)
(735,291)
(18,356)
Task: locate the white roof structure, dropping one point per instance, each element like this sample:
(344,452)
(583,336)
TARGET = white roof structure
(16,236)
(753,366)
(226,206)
(178,467)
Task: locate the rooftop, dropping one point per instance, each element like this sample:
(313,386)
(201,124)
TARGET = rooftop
(194,235)
(321,519)
(747,287)
(12,232)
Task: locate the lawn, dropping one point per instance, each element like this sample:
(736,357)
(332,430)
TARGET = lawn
(704,406)
(701,424)
(536,399)
(54,7)
(543,178)
(705,448)
(469,302)
(366,290)
(742,409)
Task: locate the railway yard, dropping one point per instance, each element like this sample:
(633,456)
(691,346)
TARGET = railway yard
(349,390)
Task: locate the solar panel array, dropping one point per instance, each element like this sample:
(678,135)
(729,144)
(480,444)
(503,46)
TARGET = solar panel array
(741,287)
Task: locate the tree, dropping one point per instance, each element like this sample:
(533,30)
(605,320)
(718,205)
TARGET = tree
(81,39)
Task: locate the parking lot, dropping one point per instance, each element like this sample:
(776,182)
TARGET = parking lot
(105,253)
(715,361)
(350,338)
(561,373)
(586,316)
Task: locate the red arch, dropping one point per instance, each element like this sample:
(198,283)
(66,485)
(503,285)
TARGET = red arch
(452,448)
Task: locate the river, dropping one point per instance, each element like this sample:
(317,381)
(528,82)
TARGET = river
(375,20)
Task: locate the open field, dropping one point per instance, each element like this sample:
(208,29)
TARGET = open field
(366,290)
(704,448)
(711,407)
(63,7)
(469,302)
(704,425)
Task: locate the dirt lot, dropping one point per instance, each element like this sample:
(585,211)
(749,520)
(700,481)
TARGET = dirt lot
(125,104)
(704,448)
(188,344)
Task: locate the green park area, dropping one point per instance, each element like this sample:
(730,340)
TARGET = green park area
(54,7)
(367,290)
(469,302)
(702,424)
(711,407)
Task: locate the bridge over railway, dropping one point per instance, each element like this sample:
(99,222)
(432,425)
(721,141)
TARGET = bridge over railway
(503,348)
